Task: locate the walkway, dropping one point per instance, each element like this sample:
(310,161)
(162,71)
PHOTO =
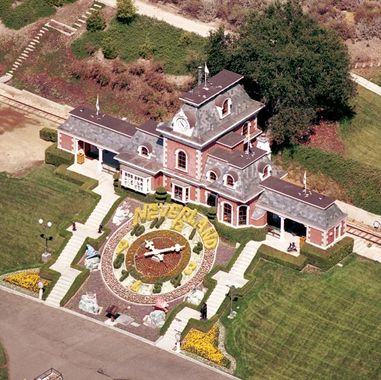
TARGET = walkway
(177,20)
(366,84)
(38,337)
(90,229)
(234,277)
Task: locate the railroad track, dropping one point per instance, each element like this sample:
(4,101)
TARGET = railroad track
(27,109)
(372,236)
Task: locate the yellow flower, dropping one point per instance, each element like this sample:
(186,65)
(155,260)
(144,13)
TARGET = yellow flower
(205,345)
(26,280)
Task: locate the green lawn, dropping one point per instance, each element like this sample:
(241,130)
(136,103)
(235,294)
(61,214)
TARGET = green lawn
(3,365)
(362,134)
(143,37)
(23,201)
(24,13)
(300,326)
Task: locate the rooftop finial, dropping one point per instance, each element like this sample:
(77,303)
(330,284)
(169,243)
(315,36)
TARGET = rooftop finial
(97,105)
(206,73)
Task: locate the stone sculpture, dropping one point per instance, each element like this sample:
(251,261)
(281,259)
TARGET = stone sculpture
(195,297)
(155,319)
(88,303)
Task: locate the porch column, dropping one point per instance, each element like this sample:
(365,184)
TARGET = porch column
(75,150)
(282,227)
(100,159)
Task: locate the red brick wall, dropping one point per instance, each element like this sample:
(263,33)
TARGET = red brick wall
(330,235)
(315,236)
(172,148)
(65,142)
(157,181)
(260,222)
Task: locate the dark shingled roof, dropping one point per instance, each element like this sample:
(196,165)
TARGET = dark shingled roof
(231,139)
(149,126)
(214,85)
(238,159)
(290,190)
(103,120)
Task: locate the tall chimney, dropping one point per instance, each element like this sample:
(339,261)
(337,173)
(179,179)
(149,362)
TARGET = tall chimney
(199,74)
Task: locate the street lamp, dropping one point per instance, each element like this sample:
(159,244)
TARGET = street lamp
(46,255)
(232,314)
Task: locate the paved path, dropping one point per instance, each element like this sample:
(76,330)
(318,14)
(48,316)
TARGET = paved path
(361,248)
(234,277)
(366,83)
(38,337)
(174,19)
(90,229)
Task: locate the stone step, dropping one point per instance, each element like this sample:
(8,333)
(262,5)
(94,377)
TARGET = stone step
(42,31)
(97,6)
(81,21)
(36,40)
(77,25)
(45,28)
(88,13)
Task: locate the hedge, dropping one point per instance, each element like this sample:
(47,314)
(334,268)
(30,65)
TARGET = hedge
(145,198)
(57,157)
(325,259)
(86,183)
(52,276)
(79,280)
(360,181)
(48,134)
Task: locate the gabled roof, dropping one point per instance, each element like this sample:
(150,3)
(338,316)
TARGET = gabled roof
(237,158)
(295,192)
(214,85)
(103,120)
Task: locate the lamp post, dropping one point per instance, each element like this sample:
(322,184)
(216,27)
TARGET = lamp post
(232,314)
(46,255)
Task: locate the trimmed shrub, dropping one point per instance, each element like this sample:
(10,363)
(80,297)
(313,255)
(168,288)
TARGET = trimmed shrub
(157,287)
(118,261)
(133,231)
(326,259)
(160,221)
(176,281)
(140,230)
(153,223)
(95,22)
(79,280)
(198,248)
(191,235)
(212,213)
(279,257)
(57,157)
(48,134)
(240,235)
(123,276)
(161,194)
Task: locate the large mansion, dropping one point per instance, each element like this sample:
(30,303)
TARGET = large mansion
(212,153)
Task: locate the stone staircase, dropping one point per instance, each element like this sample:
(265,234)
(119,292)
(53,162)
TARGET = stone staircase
(90,229)
(234,277)
(51,24)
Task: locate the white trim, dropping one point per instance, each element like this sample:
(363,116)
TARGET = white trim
(214,138)
(225,179)
(145,181)
(183,197)
(140,147)
(247,216)
(208,176)
(177,151)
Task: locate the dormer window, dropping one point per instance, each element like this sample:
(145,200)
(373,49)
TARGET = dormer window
(144,151)
(264,170)
(226,107)
(223,105)
(212,176)
(229,181)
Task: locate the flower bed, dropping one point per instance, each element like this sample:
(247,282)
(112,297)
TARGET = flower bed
(149,270)
(205,345)
(27,280)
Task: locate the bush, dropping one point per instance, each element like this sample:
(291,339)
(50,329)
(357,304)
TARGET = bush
(153,223)
(212,213)
(157,287)
(118,261)
(95,22)
(140,230)
(325,259)
(123,276)
(161,194)
(126,10)
(240,235)
(109,49)
(160,221)
(57,157)
(279,257)
(191,235)
(176,281)
(198,248)
(48,134)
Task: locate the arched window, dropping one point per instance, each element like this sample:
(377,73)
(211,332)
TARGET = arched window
(226,107)
(245,128)
(242,215)
(144,151)
(181,160)
(212,176)
(227,213)
(266,171)
(229,181)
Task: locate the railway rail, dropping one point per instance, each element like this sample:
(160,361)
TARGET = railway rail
(27,109)
(368,234)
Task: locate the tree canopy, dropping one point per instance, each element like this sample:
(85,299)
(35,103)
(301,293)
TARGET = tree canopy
(299,69)
(126,10)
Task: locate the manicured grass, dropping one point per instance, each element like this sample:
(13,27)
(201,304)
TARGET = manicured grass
(302,326)
(362,133)
(26,12)
(3,364)
(23,201)
(144,37)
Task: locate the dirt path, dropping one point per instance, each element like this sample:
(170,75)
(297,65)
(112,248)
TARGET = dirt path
(20,143)
(160,13)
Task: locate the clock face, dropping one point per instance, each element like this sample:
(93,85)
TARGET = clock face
(182,124)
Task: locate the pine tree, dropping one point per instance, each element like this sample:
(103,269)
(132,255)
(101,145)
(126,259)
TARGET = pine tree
(126,10)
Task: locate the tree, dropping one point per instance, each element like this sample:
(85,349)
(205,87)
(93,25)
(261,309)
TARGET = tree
(299,69)
(126,10)
(95,22)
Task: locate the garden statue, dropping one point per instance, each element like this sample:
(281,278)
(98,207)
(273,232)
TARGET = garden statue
(195,296)
(88,303)
(91,252)
(92,263)
(155,319)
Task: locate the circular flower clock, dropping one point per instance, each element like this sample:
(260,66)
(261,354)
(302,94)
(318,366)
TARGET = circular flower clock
(164,251)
